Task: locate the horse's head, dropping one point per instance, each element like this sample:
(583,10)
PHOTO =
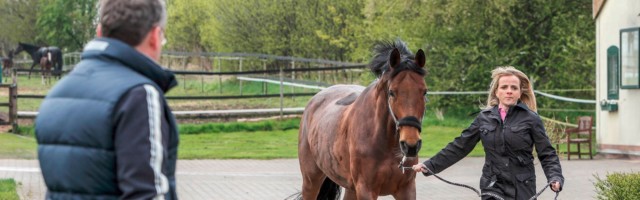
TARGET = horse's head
(406,98)
(19,49)
(402,81)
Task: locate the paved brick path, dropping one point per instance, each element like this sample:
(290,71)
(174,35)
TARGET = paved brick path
(277,179)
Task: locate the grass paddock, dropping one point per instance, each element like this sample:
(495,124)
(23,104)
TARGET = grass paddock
(8,189)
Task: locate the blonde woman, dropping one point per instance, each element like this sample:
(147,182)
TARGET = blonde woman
(509,128)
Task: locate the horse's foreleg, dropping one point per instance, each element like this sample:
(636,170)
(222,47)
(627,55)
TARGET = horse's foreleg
(30,70)
(350,195)
(312,175)
(407,192)
(363,192)
(311,184)
(49,76)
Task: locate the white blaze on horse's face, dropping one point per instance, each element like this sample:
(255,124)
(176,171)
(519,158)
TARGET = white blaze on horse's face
(407,90)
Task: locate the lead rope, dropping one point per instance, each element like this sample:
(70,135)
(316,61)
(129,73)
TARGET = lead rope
(478,192)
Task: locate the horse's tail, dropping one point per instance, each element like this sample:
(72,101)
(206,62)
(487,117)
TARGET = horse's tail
(329,190)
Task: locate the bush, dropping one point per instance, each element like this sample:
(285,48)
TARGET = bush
(618,186)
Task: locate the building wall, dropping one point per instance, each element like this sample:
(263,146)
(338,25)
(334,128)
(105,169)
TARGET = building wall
(618,131)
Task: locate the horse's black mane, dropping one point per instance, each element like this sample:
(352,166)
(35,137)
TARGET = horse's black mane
(380,62)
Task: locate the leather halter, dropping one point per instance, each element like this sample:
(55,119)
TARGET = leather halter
(405,121)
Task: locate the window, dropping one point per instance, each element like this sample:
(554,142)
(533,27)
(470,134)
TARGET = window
(630,58)
(612,72)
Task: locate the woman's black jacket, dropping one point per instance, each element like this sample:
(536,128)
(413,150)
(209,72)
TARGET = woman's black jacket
(509,167)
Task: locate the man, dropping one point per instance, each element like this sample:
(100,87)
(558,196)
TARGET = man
(105,130)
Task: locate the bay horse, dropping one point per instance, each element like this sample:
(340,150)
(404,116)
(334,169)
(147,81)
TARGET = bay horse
(7,64)
(45,64)
(36,53)
(354,137)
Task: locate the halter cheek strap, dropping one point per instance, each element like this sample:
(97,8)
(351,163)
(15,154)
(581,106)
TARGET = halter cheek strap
(405,121)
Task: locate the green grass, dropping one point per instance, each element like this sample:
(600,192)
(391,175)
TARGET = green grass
(239,126)
(8,190)
(14,146)
(236,145)
(284,144)
(250,140)
(437,137)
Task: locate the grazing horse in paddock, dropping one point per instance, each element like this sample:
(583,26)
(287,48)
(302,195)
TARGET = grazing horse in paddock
(354,137)
(36,53)
(45,64)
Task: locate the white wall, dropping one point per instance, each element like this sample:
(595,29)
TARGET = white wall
(620,128)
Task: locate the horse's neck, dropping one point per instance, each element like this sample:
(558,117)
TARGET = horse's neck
(30,49)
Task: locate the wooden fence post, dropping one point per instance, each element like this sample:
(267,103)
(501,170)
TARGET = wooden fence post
(281,93)
(293,77)
(13,107)
(203,69)
(240,60)
(219,76)
(264,84)
(185,62)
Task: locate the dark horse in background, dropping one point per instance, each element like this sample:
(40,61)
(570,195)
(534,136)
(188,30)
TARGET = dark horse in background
(354,137)
(37,53)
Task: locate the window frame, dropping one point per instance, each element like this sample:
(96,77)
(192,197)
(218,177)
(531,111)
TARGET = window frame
(624,69)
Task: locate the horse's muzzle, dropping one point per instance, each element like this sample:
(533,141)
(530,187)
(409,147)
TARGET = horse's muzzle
(410,150)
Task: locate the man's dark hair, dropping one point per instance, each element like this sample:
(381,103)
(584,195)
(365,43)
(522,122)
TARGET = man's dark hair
(130,20)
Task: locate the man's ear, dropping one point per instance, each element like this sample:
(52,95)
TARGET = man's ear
(99,30)
(155,37)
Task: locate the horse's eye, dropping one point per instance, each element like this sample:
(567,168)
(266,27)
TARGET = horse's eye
(391,93)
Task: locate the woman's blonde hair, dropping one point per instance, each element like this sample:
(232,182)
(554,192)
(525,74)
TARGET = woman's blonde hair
(526,88)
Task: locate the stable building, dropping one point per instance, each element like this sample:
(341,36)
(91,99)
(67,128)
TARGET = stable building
(618,77)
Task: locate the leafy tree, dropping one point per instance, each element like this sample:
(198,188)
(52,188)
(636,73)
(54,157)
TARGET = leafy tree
(546,39)
(189,24)
(464,40)
(67,24)
(14,26)
(318,29)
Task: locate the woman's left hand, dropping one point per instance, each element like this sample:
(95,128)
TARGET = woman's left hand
(555,186)
(419,167)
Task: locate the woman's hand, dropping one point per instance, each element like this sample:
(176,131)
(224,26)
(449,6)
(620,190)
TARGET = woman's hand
(419,168)
(555,186)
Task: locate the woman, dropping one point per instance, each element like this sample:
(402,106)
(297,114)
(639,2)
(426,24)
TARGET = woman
(509,128)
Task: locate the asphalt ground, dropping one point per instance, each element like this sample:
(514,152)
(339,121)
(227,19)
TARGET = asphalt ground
(280,178)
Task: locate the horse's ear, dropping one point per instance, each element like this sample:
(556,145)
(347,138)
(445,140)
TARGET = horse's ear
(420,58)
(394,58)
